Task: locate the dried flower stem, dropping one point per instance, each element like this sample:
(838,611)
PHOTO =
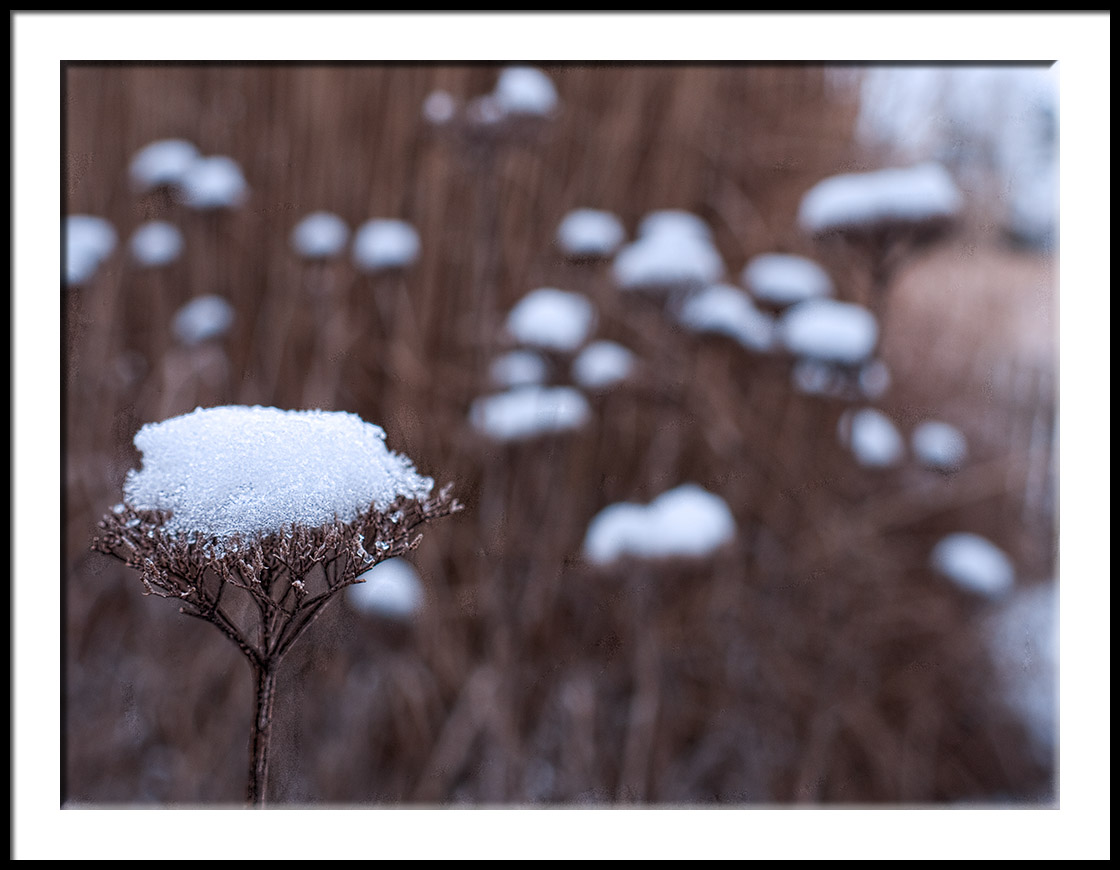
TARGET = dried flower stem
(286,580)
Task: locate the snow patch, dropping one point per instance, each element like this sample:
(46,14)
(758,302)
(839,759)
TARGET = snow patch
(525,90)
(391,588)
(687,521)
(783,279)
(858,200)
(829,331)
(525,412)
(156,243)
(164,162)
(254,471)
(552,319)
(202,319)
(973,563)
(727,310)
(939,445)
(588,232)
(320,235)
(385,244)
(602,364)
(213,183)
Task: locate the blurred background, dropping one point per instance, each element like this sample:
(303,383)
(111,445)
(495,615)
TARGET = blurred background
(816,657)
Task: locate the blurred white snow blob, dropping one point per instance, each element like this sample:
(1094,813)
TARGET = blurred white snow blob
(589,232)
(674,249)
(1023,639)
(829,331)
(855,201)
(391,589)
(383,243)
(320,235)
(687,522)
(783,279)
(974,563)
(211,183)
(165,162)
(939,445)
(525,412)
(551,319)
(439,107)
(525,90)
(89,242)
(602,364)
(156,243)
(519,368)
(872,437)
(726,310)
(202,319)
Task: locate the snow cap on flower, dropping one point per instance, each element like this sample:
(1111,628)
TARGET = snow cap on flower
(518,368)
(783,279)
(525,90)
(391,589)
(89,242)
(727,310)
(213,183)
(383,243)
(602,364)
(973,563)
(857,200)
(156,243)
(589,232)
(439,107)
(253,471)
(526,412)
(202,319)
(687,522)
(320,235)
(552,319)
(939,445)
(673,249)
(873,439)
(829,331)
(161,163)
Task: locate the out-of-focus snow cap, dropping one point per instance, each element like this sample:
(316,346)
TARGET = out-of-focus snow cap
(525,90)
(526,412)
(156,243)
(973,563)
(202,319)
(589,232)
(89,242)
(602,364)
(552,319)
(858,200)
(213,183)
(391,589)
(165,162)
(829,331)
(383,243)
(320,235)
(783,279)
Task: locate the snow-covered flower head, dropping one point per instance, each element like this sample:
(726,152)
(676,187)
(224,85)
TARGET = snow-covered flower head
(89,242)
(383,243)
(525,90)
(211,183)
(202,319)
(165,162)
(589,232)
(685,522)
(156,243)
(552,319)
(320,235)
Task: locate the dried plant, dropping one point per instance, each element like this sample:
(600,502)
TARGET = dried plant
(263,592)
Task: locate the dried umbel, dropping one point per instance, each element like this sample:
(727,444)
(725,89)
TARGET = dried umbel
(260,587)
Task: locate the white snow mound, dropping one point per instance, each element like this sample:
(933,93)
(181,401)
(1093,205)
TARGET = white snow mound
(528,411)
(552,319)
(687,521)
(391,588)
(252,471)
(973,563)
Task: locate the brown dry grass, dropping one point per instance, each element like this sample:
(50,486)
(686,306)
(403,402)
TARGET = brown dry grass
(815,660)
